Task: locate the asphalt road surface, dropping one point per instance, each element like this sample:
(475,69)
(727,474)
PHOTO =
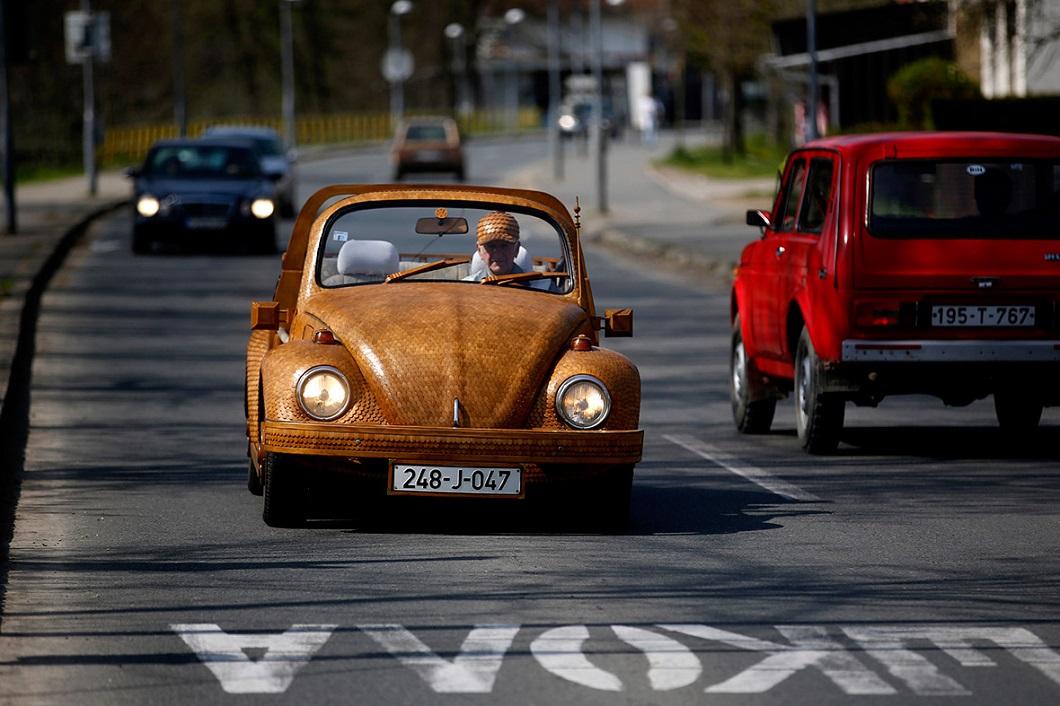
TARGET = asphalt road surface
(919,565)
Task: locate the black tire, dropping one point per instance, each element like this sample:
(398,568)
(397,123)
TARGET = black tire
(266,244)
(285,499)
(399,174)
(818,415)
(752,412)
(460,174)
(1017,413)
(253,481)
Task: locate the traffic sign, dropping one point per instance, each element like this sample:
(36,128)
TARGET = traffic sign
(87,35)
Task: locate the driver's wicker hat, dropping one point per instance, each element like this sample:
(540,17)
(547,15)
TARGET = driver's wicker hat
(498,225)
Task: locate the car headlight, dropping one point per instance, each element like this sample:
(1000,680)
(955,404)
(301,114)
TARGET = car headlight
(147,205)
(567,122)
(323,392)
(583,402)
(262,208)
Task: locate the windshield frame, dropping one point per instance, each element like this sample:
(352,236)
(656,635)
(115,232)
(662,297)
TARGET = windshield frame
(567,252)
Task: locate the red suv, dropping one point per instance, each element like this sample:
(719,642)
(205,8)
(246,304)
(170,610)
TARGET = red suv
(902,263)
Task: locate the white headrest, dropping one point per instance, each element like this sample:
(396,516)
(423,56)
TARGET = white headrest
(368,257)
(522,259)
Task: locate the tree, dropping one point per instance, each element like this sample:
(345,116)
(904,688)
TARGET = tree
(729,36)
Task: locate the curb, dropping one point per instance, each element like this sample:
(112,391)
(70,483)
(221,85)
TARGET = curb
(14,411)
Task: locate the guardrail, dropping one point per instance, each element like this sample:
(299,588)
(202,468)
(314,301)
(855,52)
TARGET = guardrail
(129,145)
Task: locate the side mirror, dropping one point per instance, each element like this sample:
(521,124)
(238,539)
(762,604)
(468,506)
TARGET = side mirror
(758,218)
(130,172)
(618,322)
(266,316)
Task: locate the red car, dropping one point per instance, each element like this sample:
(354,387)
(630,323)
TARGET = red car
(902,263)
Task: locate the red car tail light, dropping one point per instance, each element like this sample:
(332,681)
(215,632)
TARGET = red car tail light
(877,314)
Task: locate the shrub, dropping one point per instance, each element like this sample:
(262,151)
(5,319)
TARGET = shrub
(913,87)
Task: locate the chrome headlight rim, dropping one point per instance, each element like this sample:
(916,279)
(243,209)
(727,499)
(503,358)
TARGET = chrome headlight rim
(305,377)
(573,380)
(148,205)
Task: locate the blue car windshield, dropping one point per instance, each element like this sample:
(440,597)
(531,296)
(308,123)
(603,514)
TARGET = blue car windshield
(202,162)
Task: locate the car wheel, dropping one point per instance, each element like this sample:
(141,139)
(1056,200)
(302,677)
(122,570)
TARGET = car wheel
(253,480)
(1017,413)
(752,416)
(266,244)
(398,174)
(460,175)
(284,494)
(818,415)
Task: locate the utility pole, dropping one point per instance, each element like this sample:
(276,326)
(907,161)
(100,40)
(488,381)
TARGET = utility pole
(554,90)
(8,166)
(88,137)
(180,103)
(598,135)
(811,48)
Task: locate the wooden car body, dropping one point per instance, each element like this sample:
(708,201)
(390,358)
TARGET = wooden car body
(446,374)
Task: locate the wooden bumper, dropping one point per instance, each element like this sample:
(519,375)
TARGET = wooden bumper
(456,445)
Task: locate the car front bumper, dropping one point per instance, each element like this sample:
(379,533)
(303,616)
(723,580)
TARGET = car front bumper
(466,445)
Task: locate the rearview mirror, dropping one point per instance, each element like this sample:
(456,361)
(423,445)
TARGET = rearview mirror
(441,226)
(618,322)
(758,218)
(266,316)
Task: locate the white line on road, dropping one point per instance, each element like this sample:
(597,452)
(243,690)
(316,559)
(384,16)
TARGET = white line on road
(752,473)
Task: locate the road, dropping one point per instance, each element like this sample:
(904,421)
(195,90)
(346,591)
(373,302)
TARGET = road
(917,565)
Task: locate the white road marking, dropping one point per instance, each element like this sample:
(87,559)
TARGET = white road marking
(224,655)
(889,644)
(559,651)
(811,647)
(671,664)
(473,671)
(754,474)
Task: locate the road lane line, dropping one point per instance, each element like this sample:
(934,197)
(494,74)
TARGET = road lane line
(752,473)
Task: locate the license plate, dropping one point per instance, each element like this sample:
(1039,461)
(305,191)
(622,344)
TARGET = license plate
(424,479)
(204,223)
(984,316)
(428,155)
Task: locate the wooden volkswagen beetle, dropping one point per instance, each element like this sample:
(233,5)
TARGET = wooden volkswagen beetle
(401,349)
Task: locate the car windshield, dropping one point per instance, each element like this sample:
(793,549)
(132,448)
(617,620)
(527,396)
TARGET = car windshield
(995,198)
(201,162)
(365,245)
(426,133)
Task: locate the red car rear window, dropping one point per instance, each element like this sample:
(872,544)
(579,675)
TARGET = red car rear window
(965,199)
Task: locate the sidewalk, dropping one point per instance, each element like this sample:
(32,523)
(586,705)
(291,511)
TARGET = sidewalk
(689,221)
(46,212)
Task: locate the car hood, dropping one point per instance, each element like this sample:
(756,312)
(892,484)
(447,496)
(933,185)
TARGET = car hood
(422,345)
(215,187)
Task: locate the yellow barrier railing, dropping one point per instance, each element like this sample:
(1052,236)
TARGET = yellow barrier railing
(129,145)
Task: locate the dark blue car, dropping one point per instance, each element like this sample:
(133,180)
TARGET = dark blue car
(205,193)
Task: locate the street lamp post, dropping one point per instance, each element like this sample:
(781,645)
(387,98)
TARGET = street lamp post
(454,31)
(287,71)
(554,90)
(88,135)
(511,18)
(811,48)
(397,83)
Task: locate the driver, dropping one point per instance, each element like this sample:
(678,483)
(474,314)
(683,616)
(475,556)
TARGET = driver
(498,244)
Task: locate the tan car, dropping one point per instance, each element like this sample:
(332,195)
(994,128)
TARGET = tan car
(428,145)
(394,354)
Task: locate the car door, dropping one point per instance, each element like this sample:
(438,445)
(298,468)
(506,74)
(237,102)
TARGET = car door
(769,309)
(803,255)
